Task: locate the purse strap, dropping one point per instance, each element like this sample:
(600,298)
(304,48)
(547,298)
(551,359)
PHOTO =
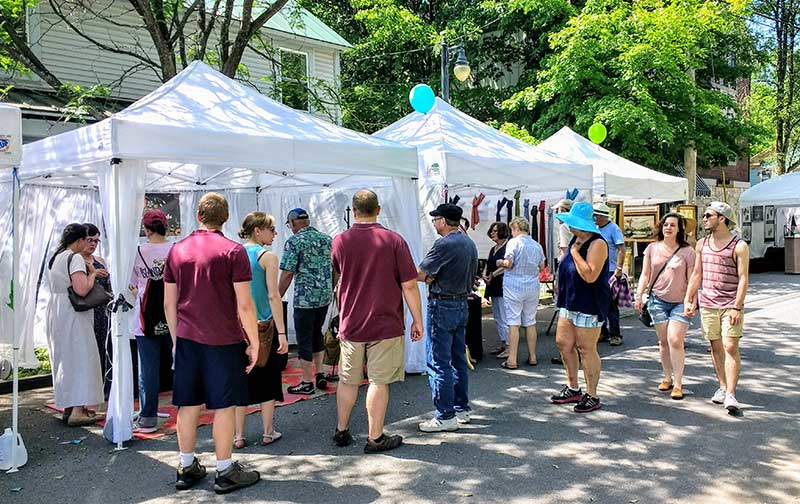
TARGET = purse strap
(653,283)
(149,271)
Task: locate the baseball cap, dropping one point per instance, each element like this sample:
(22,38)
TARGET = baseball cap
(563,204)
(602,209)
(150,217)
(449,211)
(722,209)
(296,214)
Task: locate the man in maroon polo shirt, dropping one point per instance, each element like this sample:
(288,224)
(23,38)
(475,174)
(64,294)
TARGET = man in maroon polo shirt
(376,272)
(211,315)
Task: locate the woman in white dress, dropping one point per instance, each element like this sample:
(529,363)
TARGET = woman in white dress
(75,362)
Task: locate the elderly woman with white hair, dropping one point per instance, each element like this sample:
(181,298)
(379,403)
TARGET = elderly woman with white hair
(523,261)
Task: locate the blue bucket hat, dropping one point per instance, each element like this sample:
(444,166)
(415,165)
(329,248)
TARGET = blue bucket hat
(580,217)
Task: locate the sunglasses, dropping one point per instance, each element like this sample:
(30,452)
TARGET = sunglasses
(708,215)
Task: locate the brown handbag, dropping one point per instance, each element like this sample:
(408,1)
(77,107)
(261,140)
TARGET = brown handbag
(266,331)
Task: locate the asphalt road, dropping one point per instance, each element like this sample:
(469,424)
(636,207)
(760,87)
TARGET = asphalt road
(641,447)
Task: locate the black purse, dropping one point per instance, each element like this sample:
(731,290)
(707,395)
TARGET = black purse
(644,315)
(97,296)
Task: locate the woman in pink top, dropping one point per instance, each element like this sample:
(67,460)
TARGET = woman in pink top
(668,265)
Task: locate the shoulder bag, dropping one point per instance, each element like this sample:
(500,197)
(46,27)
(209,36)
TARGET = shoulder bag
(266,333)
(97,296)
(644,315)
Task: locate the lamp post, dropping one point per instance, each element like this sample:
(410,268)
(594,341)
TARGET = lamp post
(461,70)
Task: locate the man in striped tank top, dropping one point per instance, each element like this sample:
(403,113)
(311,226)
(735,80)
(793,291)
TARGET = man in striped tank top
(722,264)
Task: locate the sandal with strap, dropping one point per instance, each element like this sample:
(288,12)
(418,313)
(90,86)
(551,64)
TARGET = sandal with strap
(267,439)
(239,442)
(505,365)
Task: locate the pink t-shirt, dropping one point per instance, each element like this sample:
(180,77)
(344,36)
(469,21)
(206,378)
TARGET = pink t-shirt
(205,265)
(674,280)
(373,262)
(155,255)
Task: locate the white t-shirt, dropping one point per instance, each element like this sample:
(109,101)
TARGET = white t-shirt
(60,281)
(155,255)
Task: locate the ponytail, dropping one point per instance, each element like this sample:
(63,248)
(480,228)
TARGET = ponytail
(72,233)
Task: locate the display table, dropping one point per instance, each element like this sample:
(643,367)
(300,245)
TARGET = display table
(792,251)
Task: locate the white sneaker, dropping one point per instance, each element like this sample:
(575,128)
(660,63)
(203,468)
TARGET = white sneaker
(463,417)
(731,404)
(719,396)
(436,425)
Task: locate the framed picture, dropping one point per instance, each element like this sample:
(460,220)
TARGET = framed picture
(745,215)
(769,214)
(169,203)
(746,232)
(688,211)
(758,214)
(769,232)
(617,211)
(640,225)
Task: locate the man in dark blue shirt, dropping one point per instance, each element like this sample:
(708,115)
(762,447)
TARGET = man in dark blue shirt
(449,269)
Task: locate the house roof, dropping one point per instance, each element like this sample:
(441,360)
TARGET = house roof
(700,186)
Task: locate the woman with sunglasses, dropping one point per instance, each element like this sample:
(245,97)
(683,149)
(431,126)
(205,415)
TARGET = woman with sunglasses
(499,234)
(666,269)
(100,312)
(264,383)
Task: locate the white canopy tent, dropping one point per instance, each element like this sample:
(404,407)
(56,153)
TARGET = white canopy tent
(200,131)
(614,176)
(468,157)
(780,199)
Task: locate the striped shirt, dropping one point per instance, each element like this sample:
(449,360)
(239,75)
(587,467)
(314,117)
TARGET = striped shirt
(526,255)
(720,275)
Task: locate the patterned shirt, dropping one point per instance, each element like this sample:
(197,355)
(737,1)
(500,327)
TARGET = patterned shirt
(526,255)
(307,254)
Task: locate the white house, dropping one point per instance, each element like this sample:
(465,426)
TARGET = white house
(306,48)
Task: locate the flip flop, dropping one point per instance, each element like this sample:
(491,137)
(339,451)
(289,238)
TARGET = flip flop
(239,442)
(532,363)
(505,365)
(275,436)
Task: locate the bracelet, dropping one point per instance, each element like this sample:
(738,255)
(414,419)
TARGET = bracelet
(282,333)
(737,309)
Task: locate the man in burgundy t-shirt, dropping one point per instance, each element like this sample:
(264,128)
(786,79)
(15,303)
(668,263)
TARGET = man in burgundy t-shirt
(375,272)
(210,314)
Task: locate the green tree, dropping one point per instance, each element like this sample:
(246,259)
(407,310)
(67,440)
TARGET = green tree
(625,65)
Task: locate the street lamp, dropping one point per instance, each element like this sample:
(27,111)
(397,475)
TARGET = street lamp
(461,69)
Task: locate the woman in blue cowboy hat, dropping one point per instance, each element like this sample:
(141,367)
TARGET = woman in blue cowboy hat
(583,300)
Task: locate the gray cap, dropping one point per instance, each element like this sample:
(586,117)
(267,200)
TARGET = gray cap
(722,209)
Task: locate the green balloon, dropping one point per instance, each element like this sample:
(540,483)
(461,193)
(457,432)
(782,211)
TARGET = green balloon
(597,133)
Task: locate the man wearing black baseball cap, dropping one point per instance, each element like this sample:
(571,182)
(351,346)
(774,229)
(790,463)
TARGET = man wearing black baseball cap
(449,269)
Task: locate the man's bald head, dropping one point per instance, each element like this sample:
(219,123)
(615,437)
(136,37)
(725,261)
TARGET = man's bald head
(365,203)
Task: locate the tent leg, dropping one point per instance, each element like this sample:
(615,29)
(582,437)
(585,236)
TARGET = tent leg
(15,325)
(117,324)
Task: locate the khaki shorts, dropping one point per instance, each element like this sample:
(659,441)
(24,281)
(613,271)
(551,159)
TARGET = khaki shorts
(385,361)
(717,324)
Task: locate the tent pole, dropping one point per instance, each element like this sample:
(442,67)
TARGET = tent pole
(15,322)
(116,376)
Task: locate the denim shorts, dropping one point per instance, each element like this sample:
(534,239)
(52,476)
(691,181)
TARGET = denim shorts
(663,311)
(578,319)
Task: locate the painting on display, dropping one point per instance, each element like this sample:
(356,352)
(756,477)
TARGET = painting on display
(169,203)
(769,213)
(758,214)
(617,211)
(746,215)
(640,225)
(746,233)
(769,232)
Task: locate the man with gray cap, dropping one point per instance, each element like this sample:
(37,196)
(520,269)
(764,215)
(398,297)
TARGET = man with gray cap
(562,233)
(616,260)
(722,264)
(449,269)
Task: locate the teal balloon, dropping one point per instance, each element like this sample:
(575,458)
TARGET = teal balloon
(422,98)
(597,133)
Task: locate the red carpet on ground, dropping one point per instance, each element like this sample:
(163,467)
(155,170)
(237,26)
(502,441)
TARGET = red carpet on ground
(291,377)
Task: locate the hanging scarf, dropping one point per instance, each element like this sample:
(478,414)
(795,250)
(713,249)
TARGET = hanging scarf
(476,201)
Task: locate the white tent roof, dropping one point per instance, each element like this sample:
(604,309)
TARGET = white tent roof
(777,191)
(475,154)
(202,122)
(615,176)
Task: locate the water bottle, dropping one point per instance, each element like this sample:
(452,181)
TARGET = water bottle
(7,445)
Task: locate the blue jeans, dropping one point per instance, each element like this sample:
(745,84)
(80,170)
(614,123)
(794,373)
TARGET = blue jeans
(611,324)
(447,356)
(151,351)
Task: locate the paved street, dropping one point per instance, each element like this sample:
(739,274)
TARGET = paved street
(641,447)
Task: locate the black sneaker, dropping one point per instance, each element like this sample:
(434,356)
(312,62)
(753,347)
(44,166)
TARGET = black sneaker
(234,478)
(587,404)
(383,443)
(342,438)
(615,340)
(186,477)
(302,388)
(558,361)
(567,395)
(322,383)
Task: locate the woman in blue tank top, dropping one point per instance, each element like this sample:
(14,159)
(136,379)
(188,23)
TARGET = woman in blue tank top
(264,383)
(584,297)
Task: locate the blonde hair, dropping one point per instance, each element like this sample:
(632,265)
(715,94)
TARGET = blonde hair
(255,220)
(520,223)
(213,209)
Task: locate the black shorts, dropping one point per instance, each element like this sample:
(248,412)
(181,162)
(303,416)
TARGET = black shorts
(209,374)
(308,324)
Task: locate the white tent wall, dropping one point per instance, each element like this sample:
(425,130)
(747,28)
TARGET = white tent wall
(44,212)
(783,195)
(240,203)
(327,209)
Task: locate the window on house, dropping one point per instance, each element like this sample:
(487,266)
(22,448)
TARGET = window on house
(294,79)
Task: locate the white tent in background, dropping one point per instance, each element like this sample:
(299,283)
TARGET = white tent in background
(471,157)
(614,176)
(780,197)
(200,131)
